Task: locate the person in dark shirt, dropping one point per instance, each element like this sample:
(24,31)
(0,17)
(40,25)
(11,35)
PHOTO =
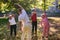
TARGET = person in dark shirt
(34,23)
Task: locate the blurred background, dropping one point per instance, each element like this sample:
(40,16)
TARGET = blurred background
(52,11)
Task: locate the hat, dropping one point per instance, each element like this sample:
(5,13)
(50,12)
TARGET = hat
(10,16)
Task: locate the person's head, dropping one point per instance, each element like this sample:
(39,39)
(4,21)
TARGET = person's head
(43,16)
(34,10)
(19,11)
(10,16)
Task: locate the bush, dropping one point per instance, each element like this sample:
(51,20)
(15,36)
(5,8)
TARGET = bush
(3,21)
(3,28)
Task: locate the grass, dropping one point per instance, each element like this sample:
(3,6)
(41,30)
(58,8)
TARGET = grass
(54,30)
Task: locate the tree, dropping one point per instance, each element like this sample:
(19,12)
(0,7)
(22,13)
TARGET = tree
(10,4)
(26,4)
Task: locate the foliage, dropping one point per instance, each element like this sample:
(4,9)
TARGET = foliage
(3,20)
(3,28)
(8,5)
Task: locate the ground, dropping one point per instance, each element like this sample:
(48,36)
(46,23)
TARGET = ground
(54,30)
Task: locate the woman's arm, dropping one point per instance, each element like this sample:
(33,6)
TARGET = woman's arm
(20,25)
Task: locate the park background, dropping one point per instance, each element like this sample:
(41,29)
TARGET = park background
(52,11)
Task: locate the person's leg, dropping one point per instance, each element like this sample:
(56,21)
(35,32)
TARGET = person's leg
(44,33)
(23,34)
(36,28)
(47,32)
(15,27)
(32,28)
(21,26)
(11,30)
(28,33)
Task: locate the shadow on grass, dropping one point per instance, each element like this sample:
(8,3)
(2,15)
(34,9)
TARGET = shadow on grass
(55,31)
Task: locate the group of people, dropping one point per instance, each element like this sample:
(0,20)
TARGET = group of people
(26,29)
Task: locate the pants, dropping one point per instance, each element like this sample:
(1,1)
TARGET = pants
(34,28)
(45,31)
(26,33)
(13,29)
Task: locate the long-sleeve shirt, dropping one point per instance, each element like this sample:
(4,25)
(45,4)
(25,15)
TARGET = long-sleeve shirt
(34,17)
(24,17)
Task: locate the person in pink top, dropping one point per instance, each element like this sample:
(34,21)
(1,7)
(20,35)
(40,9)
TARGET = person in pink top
(45,25)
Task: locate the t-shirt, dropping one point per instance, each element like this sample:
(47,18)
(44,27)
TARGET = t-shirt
(12,21)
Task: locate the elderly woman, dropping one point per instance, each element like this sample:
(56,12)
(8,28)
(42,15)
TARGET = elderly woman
(24,22)
(26,28)
(45,25)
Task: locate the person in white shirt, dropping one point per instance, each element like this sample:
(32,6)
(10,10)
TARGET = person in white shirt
(26,28)
(12,25)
